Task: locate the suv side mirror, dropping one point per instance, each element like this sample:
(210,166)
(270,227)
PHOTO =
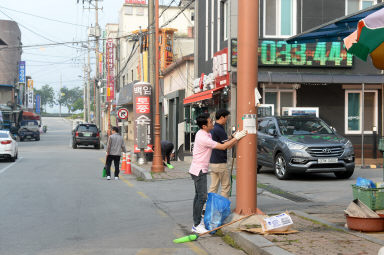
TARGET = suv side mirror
(272,132)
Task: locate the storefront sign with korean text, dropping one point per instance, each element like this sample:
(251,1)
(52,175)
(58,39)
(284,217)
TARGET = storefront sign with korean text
(110,71)
(142,99)
(220,68)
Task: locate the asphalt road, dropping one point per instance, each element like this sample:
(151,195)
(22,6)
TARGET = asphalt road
(54,201)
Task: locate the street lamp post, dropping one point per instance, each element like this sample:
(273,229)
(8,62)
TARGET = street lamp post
(157,163)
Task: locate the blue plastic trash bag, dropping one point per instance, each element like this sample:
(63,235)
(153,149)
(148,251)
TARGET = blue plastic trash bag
(365,183)
(217,209)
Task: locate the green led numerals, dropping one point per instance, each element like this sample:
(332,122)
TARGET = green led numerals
(299,57)
(265,59)
(349,59)
(334,54)
(283,56)
(321,53)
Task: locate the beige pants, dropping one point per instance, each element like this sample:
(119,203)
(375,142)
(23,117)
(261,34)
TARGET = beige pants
(220,174)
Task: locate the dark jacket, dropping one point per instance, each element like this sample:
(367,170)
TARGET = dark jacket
(219,135)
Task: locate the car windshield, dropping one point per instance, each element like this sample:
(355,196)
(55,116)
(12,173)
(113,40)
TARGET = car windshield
(84,128)
(29,123)
(303,126)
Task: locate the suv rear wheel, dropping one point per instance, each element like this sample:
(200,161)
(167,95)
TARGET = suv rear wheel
(74,145)
(344,175)
(281,167)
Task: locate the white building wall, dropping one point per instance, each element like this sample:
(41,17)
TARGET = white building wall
(180,78)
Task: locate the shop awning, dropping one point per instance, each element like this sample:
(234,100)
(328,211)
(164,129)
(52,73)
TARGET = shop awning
(31,116)
(334,30)
(208,94)
(278,77)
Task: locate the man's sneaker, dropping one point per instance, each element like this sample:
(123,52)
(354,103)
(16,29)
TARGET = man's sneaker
(108,177)
(116,178)
(199,229)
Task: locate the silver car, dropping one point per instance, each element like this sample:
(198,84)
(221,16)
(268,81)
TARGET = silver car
(303,144)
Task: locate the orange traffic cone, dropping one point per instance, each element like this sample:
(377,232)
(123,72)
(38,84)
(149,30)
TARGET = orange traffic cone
(124,163)
(128,168)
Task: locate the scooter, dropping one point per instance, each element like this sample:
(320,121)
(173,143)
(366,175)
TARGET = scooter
(45,129)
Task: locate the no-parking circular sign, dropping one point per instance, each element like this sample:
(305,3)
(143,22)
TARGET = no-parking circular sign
(122,113)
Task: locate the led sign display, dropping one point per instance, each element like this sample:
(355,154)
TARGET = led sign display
(281,53)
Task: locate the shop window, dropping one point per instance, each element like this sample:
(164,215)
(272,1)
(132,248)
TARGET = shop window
(354,111)
(280,99)
(352,6)
(279,18)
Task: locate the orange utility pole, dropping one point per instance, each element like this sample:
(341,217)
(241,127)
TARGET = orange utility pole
(248,40)
(157,163)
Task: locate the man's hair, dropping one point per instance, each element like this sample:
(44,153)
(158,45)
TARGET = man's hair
(202,119)
(221,113)
(115,129)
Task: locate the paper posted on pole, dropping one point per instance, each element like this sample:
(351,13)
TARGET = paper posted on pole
(249,123)
(281,222)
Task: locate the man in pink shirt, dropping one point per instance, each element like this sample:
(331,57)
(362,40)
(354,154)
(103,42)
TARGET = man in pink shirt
(202,151)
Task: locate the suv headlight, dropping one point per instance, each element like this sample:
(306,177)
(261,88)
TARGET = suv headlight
(295,146)
(348,145)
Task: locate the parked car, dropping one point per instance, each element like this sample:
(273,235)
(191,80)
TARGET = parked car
(86,134)
(75,123)
(8,146)
(303,144)
(29,129)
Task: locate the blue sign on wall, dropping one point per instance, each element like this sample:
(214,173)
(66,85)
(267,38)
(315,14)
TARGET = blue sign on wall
(38,103)
(22,72)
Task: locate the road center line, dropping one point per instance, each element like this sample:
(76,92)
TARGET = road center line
(142,194)
(6,168)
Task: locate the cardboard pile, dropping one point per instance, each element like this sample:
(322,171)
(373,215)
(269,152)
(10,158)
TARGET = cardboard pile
(358,209)
(262,224)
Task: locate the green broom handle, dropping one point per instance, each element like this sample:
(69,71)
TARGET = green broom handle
(229,223)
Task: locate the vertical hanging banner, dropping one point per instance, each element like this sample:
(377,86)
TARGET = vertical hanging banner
(142,104)
(22,72)
(30,95)
(21,81)
(110,71)
(38,104)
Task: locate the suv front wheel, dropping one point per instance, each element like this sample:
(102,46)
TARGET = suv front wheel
(344,175)
(281,171)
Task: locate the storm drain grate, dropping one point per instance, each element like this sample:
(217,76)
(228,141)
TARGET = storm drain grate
(282,193)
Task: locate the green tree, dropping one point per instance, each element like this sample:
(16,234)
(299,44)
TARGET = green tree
(70,97)
(47,96)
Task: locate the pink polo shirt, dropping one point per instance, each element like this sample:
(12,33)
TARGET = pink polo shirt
(202,150)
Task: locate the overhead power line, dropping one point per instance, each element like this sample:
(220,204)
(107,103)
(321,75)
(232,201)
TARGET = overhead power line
(37,16)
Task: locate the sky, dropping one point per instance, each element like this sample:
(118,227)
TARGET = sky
(51,21)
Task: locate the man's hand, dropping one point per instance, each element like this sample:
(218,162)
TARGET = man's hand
(240,134)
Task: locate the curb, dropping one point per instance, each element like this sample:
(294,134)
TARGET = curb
(141,172)
(254,244)
(352,232)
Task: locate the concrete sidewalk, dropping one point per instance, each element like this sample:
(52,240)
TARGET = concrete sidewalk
(316,235)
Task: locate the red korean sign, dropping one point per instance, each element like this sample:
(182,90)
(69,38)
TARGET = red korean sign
(142,105)
(220,68)
(110,70)
(142,113)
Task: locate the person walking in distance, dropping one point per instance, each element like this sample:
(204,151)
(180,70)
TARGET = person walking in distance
(202,151)
(218,161)
(115,146)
